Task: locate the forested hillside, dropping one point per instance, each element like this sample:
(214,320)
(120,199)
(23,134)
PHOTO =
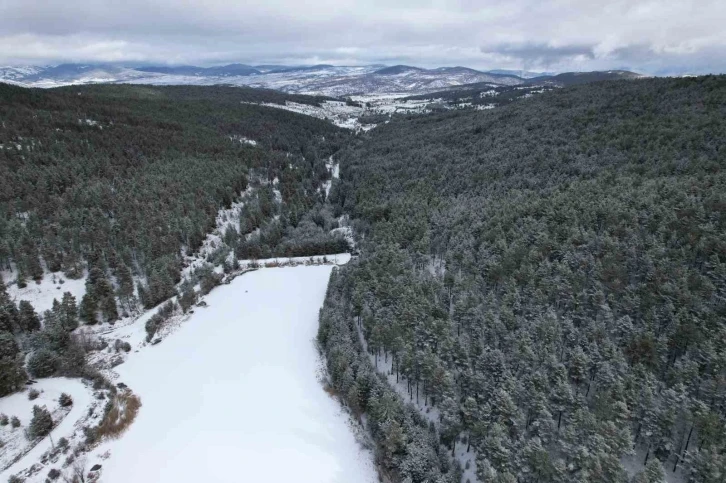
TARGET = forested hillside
(114,184)
(127,175)
(551,277)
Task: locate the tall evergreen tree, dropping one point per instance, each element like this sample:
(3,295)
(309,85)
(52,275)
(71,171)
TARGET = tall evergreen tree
(27,318)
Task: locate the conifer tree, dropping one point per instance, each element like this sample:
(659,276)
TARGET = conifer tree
(27,318)
(88,309)
(41,423)
(69,311)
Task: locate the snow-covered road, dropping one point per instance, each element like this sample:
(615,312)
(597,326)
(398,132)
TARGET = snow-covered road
(233,395)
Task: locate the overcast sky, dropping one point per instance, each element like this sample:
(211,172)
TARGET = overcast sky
(654,37)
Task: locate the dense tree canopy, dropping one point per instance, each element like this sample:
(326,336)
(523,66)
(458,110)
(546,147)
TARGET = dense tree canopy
(553,274)
(124,176)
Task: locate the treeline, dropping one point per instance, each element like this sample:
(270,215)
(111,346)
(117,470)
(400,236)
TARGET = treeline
(551,277)
(270,229)
(407,446)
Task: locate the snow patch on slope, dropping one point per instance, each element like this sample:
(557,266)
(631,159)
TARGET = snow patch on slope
(41,295)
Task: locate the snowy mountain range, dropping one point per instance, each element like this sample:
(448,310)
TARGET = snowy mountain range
(316,79)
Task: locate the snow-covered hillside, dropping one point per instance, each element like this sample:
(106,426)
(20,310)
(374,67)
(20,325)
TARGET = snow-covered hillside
(234,394)
(320,79)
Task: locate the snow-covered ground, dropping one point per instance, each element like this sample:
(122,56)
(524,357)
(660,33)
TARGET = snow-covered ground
(337,112)
(41,295)
(234,394)
(349,116)
(66,422)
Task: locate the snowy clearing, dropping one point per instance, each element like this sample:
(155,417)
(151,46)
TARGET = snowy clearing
(234,393)
(41,295)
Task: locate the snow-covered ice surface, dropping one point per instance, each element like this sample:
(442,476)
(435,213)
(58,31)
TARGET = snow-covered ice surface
(233,395)
(18,405)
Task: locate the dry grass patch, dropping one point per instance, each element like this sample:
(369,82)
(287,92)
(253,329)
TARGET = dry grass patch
(121,412)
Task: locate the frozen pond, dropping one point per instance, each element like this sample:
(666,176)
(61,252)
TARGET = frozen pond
(233,395)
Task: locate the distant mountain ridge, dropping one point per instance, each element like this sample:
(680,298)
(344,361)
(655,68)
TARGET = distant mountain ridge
(321,79)
(573,78)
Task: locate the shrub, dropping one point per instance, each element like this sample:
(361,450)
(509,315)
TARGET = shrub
(41,424)
(120,345)
(63,443)
(65,400)
(43,363)
(33,394)
(54,474)
(187,298)
(209,280)
(15,422)
(72,360)
(166,310)
(15,479)
(4,420)
(119,413)
(152,325)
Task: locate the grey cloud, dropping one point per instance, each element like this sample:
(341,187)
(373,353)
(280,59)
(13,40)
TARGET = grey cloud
(540,54)
(650,36)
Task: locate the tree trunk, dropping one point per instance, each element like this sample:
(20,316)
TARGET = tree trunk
(559,421)
(647,454)
(688,440)
(637,434)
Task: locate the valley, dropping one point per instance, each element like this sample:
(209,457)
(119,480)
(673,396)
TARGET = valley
(485,283)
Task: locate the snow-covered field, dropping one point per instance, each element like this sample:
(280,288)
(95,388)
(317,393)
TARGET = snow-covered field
(234,394)
(347,116)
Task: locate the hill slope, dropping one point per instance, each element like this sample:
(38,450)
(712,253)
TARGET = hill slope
(574,78)
(550,276)
(316,79)
(125,177)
